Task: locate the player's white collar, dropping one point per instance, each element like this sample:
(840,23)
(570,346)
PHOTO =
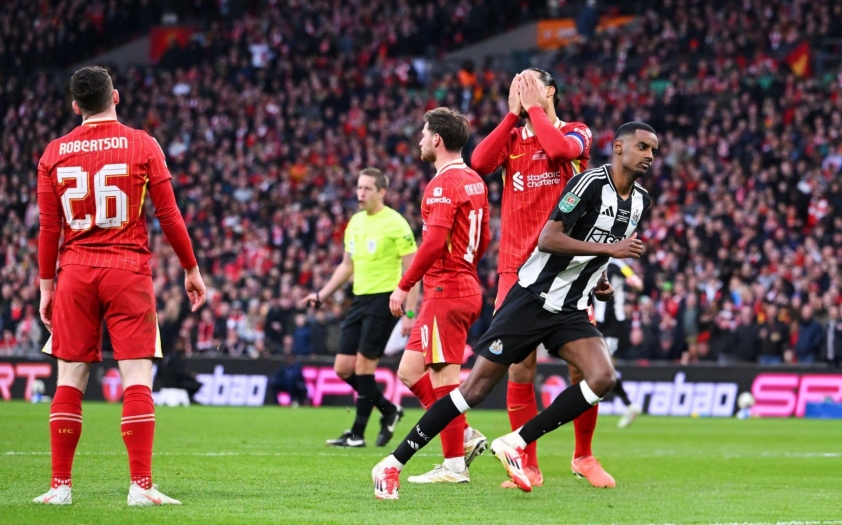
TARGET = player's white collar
(452,165)
(98,120)
(526,134)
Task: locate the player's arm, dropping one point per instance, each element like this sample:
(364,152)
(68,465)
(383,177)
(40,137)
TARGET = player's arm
(484,236)
(578,198)
(171,221)
(632,279)
(411,298)
(492,151)
(49,211)
(340,276)
(558,146)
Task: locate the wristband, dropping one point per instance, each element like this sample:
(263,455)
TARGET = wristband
(410,314)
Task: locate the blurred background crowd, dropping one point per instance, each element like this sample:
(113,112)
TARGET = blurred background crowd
(268,114)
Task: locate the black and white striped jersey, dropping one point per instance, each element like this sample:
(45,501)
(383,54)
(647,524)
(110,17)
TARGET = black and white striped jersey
(591,211)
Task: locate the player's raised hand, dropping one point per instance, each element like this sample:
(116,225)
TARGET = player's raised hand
(531,92)
(514,96)
(396,301)
(46,308)
(195,286)
(631,247)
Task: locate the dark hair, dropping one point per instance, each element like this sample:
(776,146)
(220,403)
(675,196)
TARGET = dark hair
(91,88)
(548,80)
(629,128)
(452,127)
(381,180)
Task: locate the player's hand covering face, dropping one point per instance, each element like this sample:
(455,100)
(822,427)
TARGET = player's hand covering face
(514,96)
(533,92)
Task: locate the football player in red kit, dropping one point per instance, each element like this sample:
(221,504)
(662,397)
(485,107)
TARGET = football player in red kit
(538,160)
(456,235)
(91,185)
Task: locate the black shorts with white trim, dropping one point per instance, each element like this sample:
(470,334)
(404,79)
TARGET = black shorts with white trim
(521,324)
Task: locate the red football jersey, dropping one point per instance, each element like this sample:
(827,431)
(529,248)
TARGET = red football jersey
(456,199)
(100,172)
(532,185)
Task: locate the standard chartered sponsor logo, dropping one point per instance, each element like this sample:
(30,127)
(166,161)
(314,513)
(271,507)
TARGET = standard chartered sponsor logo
(548,178)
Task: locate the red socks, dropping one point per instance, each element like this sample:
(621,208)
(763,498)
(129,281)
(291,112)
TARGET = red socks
(522,406)
(453,435)
(423,390)
(65,429)
(138,427)
(584,426)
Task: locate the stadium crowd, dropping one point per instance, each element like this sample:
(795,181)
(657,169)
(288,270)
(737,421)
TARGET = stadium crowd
(265,138)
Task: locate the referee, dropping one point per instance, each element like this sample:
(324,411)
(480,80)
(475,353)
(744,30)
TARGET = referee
(379,247)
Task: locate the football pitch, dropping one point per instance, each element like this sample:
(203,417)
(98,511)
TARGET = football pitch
(270,465)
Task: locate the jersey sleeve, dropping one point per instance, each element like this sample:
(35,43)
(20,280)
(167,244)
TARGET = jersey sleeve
(349,236)
(45,182)
(442,199)
(50,222)
(578,197)
(581,133)
(157,163)
(404,239)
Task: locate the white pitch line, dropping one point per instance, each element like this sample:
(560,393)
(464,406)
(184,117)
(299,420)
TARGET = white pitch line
(214,454)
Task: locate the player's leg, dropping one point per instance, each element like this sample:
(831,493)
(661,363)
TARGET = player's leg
(376,328)
(75,343)
(482,379)
(509,339)
(584,464)
(584,348)
(345,365)
(522,406)
(521,403)
(129,304)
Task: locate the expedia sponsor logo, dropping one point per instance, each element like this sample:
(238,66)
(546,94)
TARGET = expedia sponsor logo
(438,200)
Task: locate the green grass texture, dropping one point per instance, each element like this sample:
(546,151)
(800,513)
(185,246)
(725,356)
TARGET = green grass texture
(270,465)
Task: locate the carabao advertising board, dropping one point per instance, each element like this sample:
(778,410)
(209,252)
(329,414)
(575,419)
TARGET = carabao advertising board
(664,390)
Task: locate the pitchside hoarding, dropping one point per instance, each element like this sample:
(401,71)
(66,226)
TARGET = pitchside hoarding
(666,390)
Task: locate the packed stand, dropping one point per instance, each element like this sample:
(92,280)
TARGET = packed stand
(744,241)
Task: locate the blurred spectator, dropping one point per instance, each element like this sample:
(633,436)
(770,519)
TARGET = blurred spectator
(746,188)
(833,337)
(809,344)
(302,336)
(773,336)
(290,380)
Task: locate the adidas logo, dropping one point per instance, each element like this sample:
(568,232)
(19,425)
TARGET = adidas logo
(609,212)
(413,445)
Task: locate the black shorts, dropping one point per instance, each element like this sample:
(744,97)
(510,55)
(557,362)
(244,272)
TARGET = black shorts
(367,326)
(521,324)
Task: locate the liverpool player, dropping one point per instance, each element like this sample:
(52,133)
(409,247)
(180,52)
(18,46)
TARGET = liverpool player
(455,214)
(538,160)
(92,184)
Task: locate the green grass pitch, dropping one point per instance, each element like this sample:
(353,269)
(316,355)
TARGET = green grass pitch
(270,465)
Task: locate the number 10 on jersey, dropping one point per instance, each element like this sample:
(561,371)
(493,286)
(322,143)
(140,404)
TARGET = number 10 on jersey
(473,234)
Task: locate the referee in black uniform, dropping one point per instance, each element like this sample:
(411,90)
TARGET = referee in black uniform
(379,247)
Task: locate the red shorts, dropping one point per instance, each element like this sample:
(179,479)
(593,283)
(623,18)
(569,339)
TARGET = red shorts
(507,280)
(441,330)
(86,295)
